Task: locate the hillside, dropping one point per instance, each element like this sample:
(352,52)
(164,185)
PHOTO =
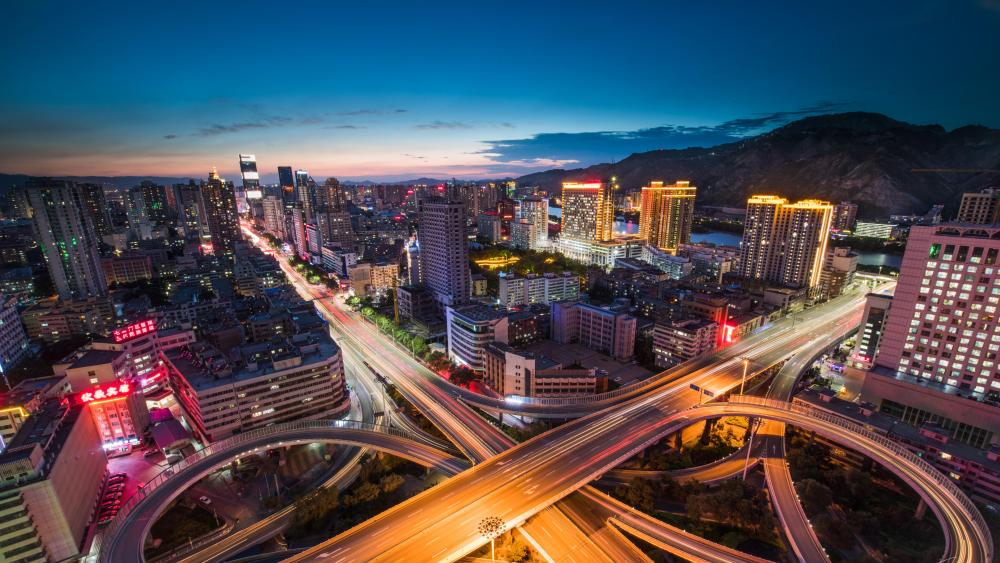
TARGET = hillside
(864,157)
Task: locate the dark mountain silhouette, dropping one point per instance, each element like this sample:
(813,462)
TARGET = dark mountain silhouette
(868,158)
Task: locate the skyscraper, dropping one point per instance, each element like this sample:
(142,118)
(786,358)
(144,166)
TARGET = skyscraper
(667,214)
(251,183)
(587,213)
(67,237)
(287,182)
(307,199)
(154,201)
(535,210)
(220,213)
(785,243)
(444,251)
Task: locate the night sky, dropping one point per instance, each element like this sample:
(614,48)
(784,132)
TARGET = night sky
(386,90)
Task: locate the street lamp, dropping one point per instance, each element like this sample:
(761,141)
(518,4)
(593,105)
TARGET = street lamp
(492,527)
(746,364)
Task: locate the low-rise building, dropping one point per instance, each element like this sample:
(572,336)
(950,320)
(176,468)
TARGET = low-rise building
(259,384)
(338,261)
(417,303)
(514,373)
(368,278)
(675,266)
(712,261)
(603,254)
(838,272)
(874,230)
(516,290)
(470,329)
(601,329)
(677,341)
(52,320)
(127,268)
(528,324)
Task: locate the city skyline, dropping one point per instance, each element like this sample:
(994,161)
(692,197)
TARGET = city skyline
(362,108)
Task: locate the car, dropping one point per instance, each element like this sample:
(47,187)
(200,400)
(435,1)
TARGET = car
(151,453)
(204,500)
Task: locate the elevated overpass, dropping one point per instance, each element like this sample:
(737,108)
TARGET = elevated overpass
(123,540)
(520,482)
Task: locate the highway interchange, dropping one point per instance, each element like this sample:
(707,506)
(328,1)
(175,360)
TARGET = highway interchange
(517,482)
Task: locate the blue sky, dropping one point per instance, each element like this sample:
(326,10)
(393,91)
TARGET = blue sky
(398,89)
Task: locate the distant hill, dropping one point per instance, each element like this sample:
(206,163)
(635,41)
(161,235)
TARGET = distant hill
(9,180)
(863,157)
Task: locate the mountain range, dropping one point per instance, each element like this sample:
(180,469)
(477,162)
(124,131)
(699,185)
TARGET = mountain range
(884,165)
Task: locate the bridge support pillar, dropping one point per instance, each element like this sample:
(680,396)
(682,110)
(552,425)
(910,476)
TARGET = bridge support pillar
(706,432)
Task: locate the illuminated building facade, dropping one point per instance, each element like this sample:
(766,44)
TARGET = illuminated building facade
(587,212)
(667,214)
(251,179)
(299,378)
(981,208)
(535,210)
(845,214)
(444,250)
(675,342)
(119,413)
(785,243)
(286,180)
(221,214)
(67,238)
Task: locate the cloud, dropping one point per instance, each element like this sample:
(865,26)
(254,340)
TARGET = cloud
(591,147)
(438,124)
(416,156)
(371,111)
(345,126)
(260,123)
(170,136)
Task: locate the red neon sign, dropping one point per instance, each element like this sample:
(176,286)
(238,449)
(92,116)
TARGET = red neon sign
(134,330)
(728,331)
(113,391)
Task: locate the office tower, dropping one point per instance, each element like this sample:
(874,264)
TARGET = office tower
(274,216)
(444,251)
(845,214)
(535,210)
(96,205)
(306,194)
(219,198)
(785,243)
(588,213)
(286,180)
(667,214)
(936,361)
(981,208)
(251,179)
(67,237)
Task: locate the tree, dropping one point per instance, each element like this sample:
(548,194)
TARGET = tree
(462,375)
(815,495)
(390,483)
(418,345)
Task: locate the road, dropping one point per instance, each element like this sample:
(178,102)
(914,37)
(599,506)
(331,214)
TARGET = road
(441,523)
(124,538)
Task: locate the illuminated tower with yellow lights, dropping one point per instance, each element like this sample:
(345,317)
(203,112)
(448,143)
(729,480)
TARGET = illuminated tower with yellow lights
(785,243)
(666,214)
(587,213)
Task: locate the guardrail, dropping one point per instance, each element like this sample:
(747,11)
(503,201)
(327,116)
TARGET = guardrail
(893,446)
(236,441)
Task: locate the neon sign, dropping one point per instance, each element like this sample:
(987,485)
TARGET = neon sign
(728,332)
(134,330)
(114,391)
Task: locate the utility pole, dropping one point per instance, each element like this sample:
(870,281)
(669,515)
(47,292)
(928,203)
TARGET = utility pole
(751,428)
(746,364)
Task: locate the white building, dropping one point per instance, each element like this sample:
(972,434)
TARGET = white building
(268,383)
(601,253)
(518,290)
(676,267)
(522,235)
(514,373)
(470,329)
(13,338)
(874,230)
(679,341)
(444,250)
(535,210)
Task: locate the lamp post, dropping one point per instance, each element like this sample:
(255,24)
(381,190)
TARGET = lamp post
(492,527)
(743,382)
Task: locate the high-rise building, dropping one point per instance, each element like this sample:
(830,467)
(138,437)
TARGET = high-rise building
(844,215)
(274,216)
(336,228)
(444,250)
(785,243)
(936,361)
(67,237)
(522,234)
(587,213)
(250,189)
(330,196)
(153,201)
(94,201)
(981,208)
(221,215)
(870,332)
(667,214)
(286,180)
(306,197)
(535,210)
(191,216)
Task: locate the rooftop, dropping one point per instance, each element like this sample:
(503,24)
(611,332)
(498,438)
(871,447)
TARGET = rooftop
(480,313)
(95,358)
